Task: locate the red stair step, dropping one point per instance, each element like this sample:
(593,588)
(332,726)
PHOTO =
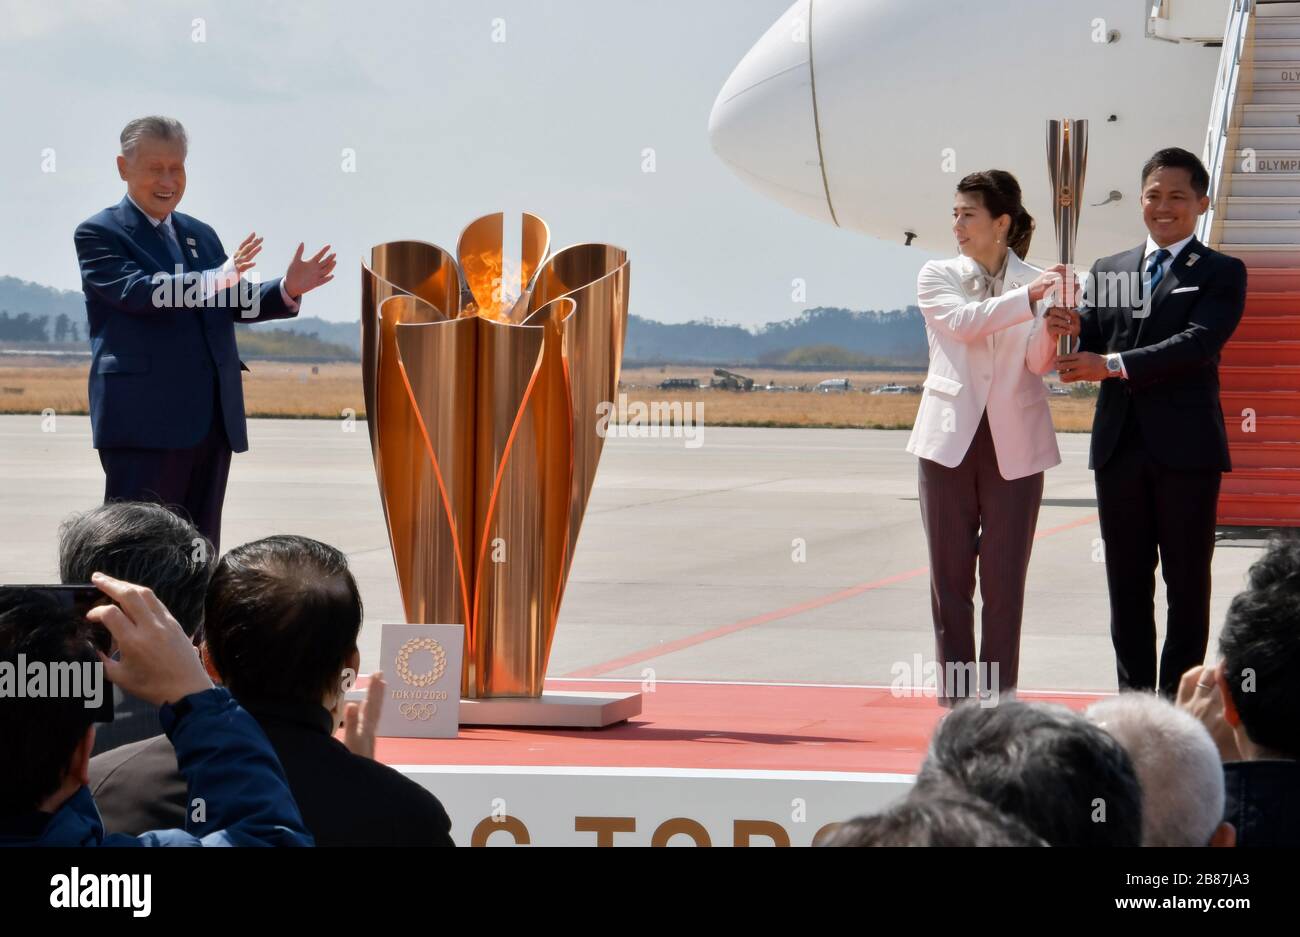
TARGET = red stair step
(1265,327)
(1272,304)
(1265,403)
(1259,378)
(1241,520)
(1245,481)
(1261,353)
(1264,454)
(1272,279)
(1244,510)
(1265,428)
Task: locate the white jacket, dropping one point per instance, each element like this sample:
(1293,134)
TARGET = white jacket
(984,354)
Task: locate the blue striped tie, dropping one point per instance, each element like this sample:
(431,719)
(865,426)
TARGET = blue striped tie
(1156,269)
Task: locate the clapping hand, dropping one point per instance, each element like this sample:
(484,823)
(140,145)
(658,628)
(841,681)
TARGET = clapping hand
(1200,693)
(303,276)
(360,723)
(244,254)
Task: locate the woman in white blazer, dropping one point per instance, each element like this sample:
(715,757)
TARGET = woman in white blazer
(983,432)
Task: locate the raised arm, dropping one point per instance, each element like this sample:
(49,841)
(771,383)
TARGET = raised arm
(947,310)
(222,752)
(280,298)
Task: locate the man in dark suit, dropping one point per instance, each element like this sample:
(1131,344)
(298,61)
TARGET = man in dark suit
(162,297)
(1153,321)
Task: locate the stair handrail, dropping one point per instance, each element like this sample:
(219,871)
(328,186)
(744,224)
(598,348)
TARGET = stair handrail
(1221,107)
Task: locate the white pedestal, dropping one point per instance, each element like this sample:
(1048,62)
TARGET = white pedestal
(553,710)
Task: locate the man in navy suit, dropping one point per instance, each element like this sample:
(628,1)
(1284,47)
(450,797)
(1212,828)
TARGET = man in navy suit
(162,297)
(1159,446)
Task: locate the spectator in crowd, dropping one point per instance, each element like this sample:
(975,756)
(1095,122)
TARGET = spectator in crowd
(1058,774)
(46,737)
(280,629)
(1249,701)
(145,544)
(1177,766)
(934,816)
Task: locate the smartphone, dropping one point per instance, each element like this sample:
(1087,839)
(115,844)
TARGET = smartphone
(77,599)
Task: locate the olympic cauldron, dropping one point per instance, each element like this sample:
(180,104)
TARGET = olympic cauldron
(482,377)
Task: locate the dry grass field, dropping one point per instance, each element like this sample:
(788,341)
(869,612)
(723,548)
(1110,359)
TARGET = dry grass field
(652,376)
(271,388)
(326,391)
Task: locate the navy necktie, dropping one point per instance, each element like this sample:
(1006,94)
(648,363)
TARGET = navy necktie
(168,234)
(1156,269)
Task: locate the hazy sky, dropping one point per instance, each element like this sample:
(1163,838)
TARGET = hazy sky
(446,125)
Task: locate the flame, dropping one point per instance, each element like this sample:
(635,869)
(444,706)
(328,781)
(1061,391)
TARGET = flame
(495,283)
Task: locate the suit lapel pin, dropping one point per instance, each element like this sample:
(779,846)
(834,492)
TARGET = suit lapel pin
(1192,258)
(190,241)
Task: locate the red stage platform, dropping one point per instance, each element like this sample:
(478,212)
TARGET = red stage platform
(766,727)
(708,763)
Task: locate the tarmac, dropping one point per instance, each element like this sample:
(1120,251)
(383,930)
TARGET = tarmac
(746,555)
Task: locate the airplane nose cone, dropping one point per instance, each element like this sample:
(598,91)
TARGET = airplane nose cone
(763,124)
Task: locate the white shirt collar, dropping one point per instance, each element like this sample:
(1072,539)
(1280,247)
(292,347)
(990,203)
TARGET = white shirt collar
(152,220)
(1174,249)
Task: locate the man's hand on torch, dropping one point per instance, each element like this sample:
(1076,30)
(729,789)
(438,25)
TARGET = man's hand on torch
(1083,366)
(1062,321)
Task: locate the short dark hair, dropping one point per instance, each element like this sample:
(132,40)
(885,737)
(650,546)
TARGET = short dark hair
(1174,157)
(145,544)
(1260,646)
(935,816)
(39,734)
(1062,777)
(999,191)
(282,617)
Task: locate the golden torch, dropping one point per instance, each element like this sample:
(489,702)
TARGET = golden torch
(482,377)
(1067,160)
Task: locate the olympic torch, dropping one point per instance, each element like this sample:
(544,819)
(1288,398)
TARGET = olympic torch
(1067,160)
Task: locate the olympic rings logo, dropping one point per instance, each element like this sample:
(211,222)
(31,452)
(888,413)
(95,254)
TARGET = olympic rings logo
(421,711)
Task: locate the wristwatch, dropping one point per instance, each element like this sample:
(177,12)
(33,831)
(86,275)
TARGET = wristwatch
(1113,366)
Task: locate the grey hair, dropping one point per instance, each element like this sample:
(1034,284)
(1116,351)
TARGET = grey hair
(1177,764)
(159,128)
(145,544)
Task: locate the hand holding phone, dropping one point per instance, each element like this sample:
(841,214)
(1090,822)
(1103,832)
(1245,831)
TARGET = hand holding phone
(156,660)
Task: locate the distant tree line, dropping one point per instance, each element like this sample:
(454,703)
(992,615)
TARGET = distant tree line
(825,335)
(290,345)
(25,327)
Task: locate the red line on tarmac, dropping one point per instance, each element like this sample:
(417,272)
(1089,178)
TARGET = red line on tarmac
(668,647)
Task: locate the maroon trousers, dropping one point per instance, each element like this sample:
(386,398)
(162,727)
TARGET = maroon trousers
(973,516)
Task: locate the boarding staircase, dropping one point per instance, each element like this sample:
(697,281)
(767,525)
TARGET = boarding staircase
(1253,154)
